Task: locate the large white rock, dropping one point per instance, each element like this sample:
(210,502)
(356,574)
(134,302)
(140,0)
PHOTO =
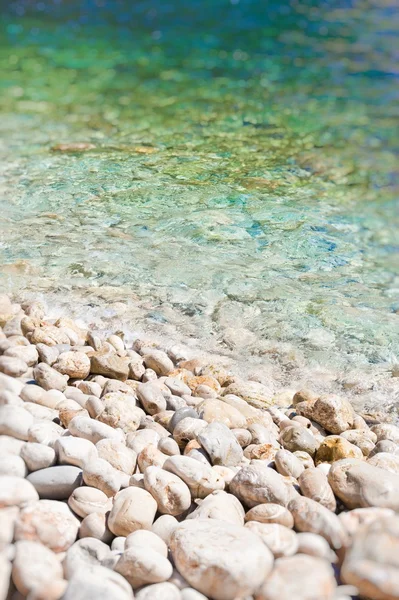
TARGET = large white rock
(257,483)
(34,565)
(219,559)
(75,450)
(15,491)
(299,577)
(99,583)
(133,508)
(221,444)
(15,421)
(220,506)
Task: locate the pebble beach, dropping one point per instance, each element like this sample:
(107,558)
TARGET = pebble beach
(134,469)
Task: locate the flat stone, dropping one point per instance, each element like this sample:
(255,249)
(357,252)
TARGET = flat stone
(56,483)
(110,365)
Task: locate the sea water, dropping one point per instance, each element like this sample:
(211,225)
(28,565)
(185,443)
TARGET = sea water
(236,187)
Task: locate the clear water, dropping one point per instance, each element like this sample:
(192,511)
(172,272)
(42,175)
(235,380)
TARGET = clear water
(240,187)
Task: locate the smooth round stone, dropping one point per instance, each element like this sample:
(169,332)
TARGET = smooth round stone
(84,553)
(93,430)
(10,398)
(220,506)
(151,397)
(34,566)
(15,491)
(386,461)
(12,366)
(27,354)
(143,565)
(200,478)
(49,522)
(288,464)
(15,421)
(270,513)
(10,445)
(158,361)
(150,457)
(257,484)
(48,378)
(226,473)
(314,484)
(175,403)
(169,446)
(191,594)
(181,414)
(159,591)
(75,451)
(120,410)
(282,541)
(47,354)
(296,438)
(10,384)
(221,445)
(315,545)
(118,455)
(301,577)
(216,410)
(187,430)
(177,387)
(147,539)
(138,440)
(359,485)
(100,474)
(118,544)
(243,437)
(40,412)
(133,508)
(45,432)
(75,365)
(312,517)
(91,388)
(56,483)
(208,554)
(384,446)
(164,527)
(12,464)
(95,526)
(99,583)
(172,495)
(86,500)
(386,431)
(364,439)
(8,517)
(372,562)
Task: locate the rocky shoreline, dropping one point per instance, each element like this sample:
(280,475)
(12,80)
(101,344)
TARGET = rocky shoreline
(131,469)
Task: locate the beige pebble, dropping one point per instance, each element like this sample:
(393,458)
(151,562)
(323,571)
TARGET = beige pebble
(270,513)
(93,430)
(151,397)
(49,379)
(220,506)
(118,455)
(314,484)
(208,554)
(139,440)
(288,464)
(143,565)
(12,366)
(86,500)
(12,464)
(172,495)
(216,410)
(257,483)
(159,591)
(164,527)
(150,456)
(120,410)
(282,541)
(45,432)
(100,474)
(201,479)
(97,582)
(83,554)
(310,516)
(95,525)
(34,566)
(301,577)
(315,545)
(133,508)
(147,539)
(75,451)
(15,491)
(27,354)
(15,421)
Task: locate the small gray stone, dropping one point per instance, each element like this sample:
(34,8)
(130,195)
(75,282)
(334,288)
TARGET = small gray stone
(56,483)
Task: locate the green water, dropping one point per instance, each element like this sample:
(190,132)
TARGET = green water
(240,187)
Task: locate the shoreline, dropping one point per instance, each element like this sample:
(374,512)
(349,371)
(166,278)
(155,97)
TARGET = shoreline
(281,366)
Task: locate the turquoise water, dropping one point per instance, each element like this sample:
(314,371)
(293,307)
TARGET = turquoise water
(238,183)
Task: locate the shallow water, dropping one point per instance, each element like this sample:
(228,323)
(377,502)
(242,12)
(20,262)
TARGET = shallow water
(240,187)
